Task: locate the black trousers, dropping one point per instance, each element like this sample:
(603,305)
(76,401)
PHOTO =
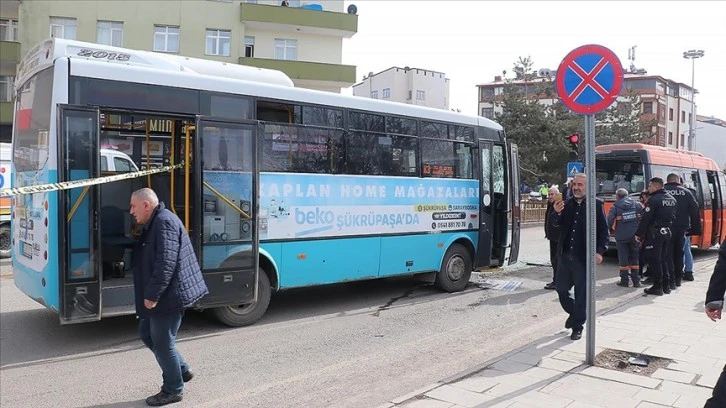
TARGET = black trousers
(675,266)
(718,400)
(553,259)
(656,255)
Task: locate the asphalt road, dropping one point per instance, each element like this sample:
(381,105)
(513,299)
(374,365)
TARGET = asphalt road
(351,345)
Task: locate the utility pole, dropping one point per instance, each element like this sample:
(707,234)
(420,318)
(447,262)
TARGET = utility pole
(692,55)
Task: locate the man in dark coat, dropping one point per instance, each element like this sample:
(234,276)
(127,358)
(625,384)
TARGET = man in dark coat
(167,280)
(714,305)
(552,233)
(570,217)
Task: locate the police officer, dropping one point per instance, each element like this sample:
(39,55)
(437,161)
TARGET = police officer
(686,210)
(654,231)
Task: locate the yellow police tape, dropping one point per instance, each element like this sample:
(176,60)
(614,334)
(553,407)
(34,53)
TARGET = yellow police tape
(66,185)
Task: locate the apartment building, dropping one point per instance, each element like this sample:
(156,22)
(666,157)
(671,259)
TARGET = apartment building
(9,58)
(413,86)
(711,138)
(304,39)
(668,101)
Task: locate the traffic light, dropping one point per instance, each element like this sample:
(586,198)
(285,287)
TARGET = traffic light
(574,140)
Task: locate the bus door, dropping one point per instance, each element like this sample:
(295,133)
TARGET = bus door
(80,257)
(495,207)
(716,187)
(515,219)
(228,236)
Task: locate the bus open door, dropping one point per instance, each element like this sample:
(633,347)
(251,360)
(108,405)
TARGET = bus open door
(498,242)
(80,260)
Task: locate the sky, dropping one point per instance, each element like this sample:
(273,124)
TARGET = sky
(472,41)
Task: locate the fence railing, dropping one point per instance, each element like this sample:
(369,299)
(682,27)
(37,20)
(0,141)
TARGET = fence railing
(533,211)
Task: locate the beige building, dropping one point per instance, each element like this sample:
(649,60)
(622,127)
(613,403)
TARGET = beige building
(413,86)
(9,58)
(667,101)
(304,40)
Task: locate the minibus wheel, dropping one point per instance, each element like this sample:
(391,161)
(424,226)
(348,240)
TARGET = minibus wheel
(455,269)
(245,315)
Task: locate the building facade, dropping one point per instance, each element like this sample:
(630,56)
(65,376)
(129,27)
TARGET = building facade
(413,86)
(9,58)
(711,139)
(667,101)
(304,40)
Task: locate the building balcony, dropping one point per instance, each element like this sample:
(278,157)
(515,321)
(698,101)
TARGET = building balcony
(6,113)
(308,74)
(299,20)
(10,51)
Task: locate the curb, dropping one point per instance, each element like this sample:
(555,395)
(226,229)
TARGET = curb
(482,366)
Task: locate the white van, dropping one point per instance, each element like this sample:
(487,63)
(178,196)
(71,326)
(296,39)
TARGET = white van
(113,160)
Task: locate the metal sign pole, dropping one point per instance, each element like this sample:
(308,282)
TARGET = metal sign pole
(591,225)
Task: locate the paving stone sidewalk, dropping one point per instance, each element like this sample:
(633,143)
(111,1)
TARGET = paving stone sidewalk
(551,372)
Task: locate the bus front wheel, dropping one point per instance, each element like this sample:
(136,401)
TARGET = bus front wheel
(5,241)
(245,315)
(455,269)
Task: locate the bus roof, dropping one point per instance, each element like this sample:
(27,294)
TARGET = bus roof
(191,73)
(667,156)
(43,54)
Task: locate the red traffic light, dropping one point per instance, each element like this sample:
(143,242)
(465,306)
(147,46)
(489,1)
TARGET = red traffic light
(574,138)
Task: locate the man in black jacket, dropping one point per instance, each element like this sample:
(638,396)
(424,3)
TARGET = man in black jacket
(714,305)
(654,231)
(570,217)
(552,233)
(688,220)
(167,280)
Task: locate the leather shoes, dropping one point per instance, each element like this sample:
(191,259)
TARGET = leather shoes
(187,375)
(550,286)
(576,334)
(688,276)
(568,323)
(163,398)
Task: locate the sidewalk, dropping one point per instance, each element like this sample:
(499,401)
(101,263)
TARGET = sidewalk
(551,372)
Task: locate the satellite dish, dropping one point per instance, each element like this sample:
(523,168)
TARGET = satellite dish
(352,9)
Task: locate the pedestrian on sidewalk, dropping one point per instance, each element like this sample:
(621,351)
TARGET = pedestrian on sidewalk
(623,218)
(167,280)
(570,217)
(687,220)
(552,233)
(714,306)
(654,231)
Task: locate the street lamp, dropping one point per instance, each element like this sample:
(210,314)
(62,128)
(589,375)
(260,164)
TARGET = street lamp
(692,55)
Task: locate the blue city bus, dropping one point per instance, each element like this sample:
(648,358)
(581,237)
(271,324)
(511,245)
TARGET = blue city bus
(278,187)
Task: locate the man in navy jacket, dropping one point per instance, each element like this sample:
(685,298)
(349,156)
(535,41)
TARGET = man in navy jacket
(570,216)
(714,305)
(167,280)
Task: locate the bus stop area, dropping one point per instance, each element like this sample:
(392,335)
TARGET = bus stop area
(683,347)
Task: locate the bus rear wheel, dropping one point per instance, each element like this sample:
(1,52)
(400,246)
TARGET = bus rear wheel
(245,315)
(4,241)
(455,269)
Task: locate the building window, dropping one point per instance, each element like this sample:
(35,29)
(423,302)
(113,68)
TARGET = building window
(374,94)
(386,93)
(63,28)
(110,33)
(683,116)
(6,88)
(487,113)
(683,140)
(690,118)
(670,114)
(8,30)
(218,42)
(670,138)
(420,95)
(285,49)
(166,38)
(647,107)
(249,46)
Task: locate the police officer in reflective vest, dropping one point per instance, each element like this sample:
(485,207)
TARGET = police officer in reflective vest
(654,230)
(686,210)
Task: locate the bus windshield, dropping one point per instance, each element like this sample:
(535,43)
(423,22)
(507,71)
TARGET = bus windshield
(32,121)
(619,172)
